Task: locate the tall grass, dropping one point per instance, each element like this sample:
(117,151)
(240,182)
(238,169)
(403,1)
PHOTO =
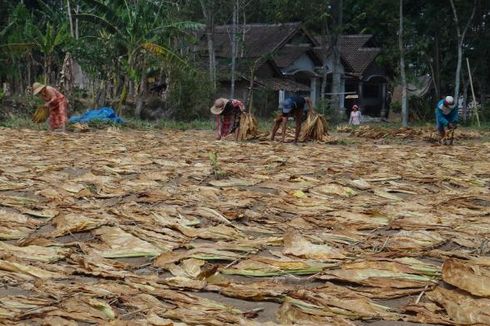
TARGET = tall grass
(21,122)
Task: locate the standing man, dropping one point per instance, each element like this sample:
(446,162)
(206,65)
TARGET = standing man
(295,106)
(446,116)
(56,103)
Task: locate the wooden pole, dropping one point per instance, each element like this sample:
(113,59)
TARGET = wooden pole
(473,93)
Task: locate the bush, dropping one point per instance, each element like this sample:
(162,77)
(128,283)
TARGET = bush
(421,108)
(189,96)
(333,115)
(396,107)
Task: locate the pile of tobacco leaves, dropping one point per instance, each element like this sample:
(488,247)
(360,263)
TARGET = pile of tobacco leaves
(173,228)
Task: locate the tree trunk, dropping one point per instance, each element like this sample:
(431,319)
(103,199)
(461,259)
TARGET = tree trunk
(251,86)
(402,70)
(324,42)
(437,73)
(234,47)
(461,36)
(70,19)
(77,34)
(208,13)
(141,95)
(335,44)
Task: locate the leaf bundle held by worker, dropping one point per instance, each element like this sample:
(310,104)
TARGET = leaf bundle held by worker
(315,127)
(41,114)
(248,126)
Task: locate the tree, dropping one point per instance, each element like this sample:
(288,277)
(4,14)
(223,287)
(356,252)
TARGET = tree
(461,38)
(402,70)
(135,30)
(208,10)
(335,35)
(234,46)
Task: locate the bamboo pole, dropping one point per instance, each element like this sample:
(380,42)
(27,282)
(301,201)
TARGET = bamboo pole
(473,93)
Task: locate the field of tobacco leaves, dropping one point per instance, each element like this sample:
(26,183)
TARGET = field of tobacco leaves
(173,228)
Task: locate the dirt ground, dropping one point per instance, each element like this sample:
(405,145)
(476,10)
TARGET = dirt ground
(173,228)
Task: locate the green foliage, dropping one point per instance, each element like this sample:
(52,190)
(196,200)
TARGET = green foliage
(216,170)
(332,114)
(168,124)
(188,95)
(21,122)
(396,107)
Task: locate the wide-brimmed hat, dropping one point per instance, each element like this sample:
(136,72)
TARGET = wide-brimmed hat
(219,106)
(37,88)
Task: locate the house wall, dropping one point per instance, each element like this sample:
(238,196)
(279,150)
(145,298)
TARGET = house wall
(302,63)
(303,71)
(373,87)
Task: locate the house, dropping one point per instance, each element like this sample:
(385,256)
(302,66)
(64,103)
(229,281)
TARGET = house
(362,75)
(286,58)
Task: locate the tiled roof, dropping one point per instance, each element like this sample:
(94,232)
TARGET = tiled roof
(356,52)
(256,40)
(361,59)
(289,54)
(282,84)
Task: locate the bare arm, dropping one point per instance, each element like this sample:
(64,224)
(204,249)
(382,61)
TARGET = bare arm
(218,127)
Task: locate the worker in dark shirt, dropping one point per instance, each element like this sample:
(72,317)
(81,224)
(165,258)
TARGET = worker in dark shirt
(294,106)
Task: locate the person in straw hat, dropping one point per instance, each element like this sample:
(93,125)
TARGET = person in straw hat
(55,102)
(295,106)
(446,115)
(227,114)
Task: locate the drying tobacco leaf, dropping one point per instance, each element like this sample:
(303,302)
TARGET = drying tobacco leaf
(365,217)
(39,253)
(397,273)
(472,276)
(427,313)
(461,307)
(73,223)
(27,270)
(120,244)
(336,301)
(295,311)
(256,291)
(297,245)
(260,267)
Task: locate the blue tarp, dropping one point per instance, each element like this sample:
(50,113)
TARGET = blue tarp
(106,114)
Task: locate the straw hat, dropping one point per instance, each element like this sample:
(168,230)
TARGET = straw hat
(37,88)
(219,106)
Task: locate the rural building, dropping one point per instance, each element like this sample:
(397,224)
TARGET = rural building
(289,59)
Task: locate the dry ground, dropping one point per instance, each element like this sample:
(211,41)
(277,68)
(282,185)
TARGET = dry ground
(130,228)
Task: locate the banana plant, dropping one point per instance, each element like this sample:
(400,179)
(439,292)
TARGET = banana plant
(139,30)
(24,36)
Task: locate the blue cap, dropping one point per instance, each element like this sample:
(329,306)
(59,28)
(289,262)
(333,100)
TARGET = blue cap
(287,105)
